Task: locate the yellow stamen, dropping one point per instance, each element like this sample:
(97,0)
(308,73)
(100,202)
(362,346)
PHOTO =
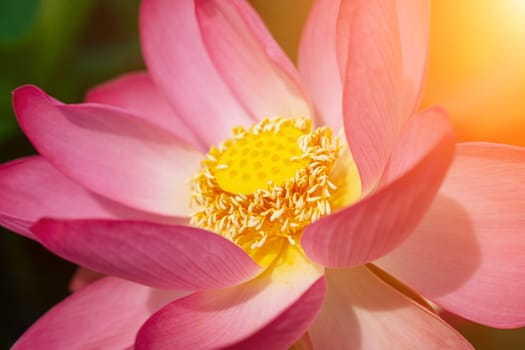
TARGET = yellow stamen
(262,187)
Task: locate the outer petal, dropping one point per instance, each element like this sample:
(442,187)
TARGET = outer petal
(363,312)
(109,151)
(137,93)
(318,62)
(380,222)
(171,257)
(270,312)
(467,254)
(104,315)
(370,60)
(31,189)
(249,60)
(180,66)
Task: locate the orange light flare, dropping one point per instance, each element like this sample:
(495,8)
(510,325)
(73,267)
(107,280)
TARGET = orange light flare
(477,67)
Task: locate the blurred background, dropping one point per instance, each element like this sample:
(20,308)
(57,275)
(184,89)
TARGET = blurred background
(476,71)
(64,47)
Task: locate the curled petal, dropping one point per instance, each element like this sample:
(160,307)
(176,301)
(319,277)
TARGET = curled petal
(414,29)
(467,253)
(363,312)
(249,60)
(110,151)
(380,222)
(381,50)
(31,189)
(162,256)
(337,43)
(269,312)
(370,61)
(318,63)
(179,64)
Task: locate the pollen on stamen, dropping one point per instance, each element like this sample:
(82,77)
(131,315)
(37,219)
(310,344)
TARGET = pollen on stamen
(281,184)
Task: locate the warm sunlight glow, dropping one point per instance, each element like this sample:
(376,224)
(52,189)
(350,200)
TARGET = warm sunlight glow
(476,67)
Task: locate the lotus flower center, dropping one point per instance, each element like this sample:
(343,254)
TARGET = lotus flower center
(264,185)
(257,160)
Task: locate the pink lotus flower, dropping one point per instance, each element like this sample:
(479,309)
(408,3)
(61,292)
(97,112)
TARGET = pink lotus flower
(112,187)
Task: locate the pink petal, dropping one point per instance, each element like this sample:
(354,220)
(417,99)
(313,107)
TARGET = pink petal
(249,60)
(104,315)
(380,222)
(318,63)
(414,28)
(467,254)
(180,66)
(31,189)
(83,277)
(331,24)
(269,312)
(137,93)
(162,256)
(370,60)
(110,152)
(363,312)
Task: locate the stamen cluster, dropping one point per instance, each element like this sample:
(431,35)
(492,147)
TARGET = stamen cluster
(278,210)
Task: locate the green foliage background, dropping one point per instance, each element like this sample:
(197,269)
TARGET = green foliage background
(65,47)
